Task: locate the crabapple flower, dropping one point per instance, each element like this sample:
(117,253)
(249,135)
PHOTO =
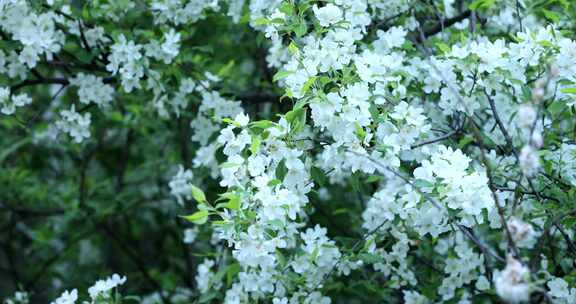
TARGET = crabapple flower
(165,51)
(19,297)
(67,297)
(102,287)
(328,14)
(127,59)
(561,292)
(242,119)
(512,283)
(521,232)
(75,124)
(181,184)
(190,235)
(171,45)
(9,103)
(204,275)
(413,297)
(92,89)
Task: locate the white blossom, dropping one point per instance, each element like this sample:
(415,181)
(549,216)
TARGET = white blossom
(10,103)
(102,287)
(92,89)
(512,283)
(328,14)
(181,184)
(75,124)
(67,297)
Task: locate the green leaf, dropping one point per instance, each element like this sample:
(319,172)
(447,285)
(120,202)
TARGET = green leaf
(274,182)
(297,119)
(281,257)
(550,15)
(568,90)
(233,202)
(420,183)
(131,298)
(256,141)
(226,69)
(556,108)
(207,297)
(373,179)
(481,4)
(13,148)
(318,176)
(281,75)
(303,7)
(355,182)
(300,29)
(278,21)
(198,194)
(281,170)
(261,21)
(314,254)
(231,271)
(370,258)
(443,47)
(199,217)
(360,132)
(287,8)
(228,121)
(262,124)
(340,211)
(545,43)
(308,84)
(292,48)
(465,141)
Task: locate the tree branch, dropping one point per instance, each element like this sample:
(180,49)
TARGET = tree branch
(438,27)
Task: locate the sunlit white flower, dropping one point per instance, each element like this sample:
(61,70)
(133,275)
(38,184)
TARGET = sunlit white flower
(328,14)
(512,283)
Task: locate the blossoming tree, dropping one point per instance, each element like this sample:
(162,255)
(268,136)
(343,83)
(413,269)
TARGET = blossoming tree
(285,151)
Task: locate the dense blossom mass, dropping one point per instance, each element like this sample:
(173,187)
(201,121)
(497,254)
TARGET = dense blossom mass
(288,151)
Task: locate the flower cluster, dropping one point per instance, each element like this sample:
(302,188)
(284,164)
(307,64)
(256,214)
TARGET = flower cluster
(75,124)
(512,282)
(181,185)
(19,297)
(38,34)
(92,89)
(9,103)
(99,292)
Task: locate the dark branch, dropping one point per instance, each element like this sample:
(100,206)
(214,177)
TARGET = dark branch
(438,27)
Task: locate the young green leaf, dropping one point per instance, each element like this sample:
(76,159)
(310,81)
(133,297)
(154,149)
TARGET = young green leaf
(199,217)
(198,194)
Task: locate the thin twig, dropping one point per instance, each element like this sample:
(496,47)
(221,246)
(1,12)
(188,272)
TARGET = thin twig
(437,139)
